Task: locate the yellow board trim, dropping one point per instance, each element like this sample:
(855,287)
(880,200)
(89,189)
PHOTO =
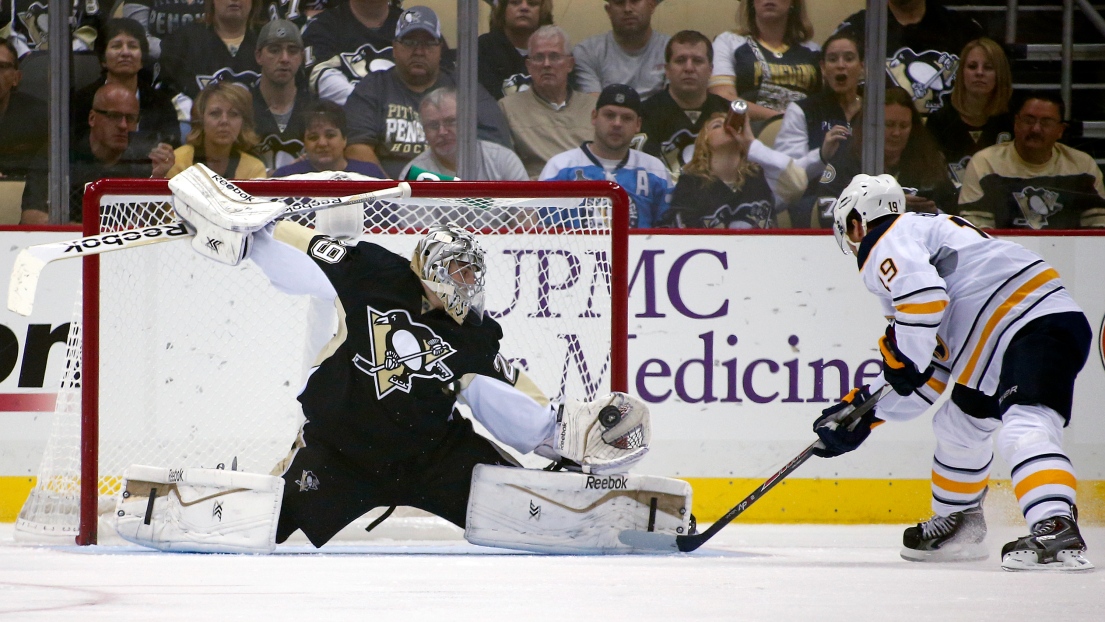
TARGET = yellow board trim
(794,500)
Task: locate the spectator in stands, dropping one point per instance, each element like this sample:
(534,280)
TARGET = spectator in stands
(769,61)
(278,101)
(978,116)
(502,50)
(815,128)
(616,120)
(101,153)
(630,53)
(910,154)
(347,42)
(438,112)
(383,108)
(161,18)
(220,48)
(672,118)
(122,50)
(222,133)
(1034,181)
(734,181)
(24,129)
(324,145)
(923,40)
(26,24)
(550,117)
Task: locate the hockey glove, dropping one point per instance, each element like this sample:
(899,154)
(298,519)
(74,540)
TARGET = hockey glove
(900,372)
(839,436)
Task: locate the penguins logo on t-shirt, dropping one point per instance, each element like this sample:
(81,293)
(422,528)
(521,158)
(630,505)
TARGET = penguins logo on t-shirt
(226,73)
(402,350)
(1036,205)
(927,76)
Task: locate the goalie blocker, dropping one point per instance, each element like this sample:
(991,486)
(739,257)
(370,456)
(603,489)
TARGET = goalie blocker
(215,511)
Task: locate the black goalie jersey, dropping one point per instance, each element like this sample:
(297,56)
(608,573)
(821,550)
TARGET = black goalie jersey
(384,389)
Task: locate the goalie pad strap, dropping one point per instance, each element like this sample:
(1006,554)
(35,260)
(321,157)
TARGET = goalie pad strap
(199,510)
(557,512)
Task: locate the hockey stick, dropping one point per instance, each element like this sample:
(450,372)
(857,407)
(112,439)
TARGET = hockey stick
(667,542)
(31,260)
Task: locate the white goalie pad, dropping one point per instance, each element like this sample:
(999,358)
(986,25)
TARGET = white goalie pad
(200,192)
(607,435)
(199,510)
(574,513)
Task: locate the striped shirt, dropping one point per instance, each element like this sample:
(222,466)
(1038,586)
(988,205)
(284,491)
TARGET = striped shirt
(944,281)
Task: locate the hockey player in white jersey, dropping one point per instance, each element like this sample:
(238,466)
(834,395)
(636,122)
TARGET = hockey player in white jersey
(994,320)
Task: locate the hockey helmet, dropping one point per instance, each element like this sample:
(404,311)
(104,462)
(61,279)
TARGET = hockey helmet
(451,264)
(871,197)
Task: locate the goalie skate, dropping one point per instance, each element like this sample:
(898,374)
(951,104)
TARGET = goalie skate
(954,538)
(1054,544)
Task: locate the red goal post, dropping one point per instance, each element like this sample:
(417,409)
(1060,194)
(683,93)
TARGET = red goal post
(521,236)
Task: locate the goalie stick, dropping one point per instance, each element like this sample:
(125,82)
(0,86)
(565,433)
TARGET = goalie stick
(31,260)
(686,543)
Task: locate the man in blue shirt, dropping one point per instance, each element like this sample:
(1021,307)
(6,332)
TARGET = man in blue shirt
(616,120)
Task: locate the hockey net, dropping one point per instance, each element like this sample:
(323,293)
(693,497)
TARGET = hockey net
(176,360)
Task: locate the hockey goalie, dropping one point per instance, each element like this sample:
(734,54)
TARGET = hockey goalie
(381,425)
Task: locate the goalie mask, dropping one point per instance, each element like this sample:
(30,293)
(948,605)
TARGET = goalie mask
(451,264)
(871,198)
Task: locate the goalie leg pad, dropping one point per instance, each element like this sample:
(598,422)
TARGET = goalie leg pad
(574,513)
(200,192)
(199,510)
(607,435)
(215,242)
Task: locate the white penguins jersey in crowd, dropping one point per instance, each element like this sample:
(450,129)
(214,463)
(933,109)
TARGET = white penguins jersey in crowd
(945,282)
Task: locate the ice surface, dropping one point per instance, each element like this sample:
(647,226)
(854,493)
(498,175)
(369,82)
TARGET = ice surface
(748,572)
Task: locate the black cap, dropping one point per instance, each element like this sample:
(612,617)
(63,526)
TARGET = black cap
(620,95)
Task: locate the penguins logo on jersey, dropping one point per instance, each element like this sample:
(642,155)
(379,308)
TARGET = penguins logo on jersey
(366,59)
(403,350)
(927,76)
(36,22)
(275,152)
(1036,205)
(754,215)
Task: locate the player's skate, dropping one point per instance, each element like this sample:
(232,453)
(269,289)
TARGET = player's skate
(954,538)
(1054,544)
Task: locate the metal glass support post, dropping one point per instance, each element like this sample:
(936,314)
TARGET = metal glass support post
(874,94)
(58,185)
(1067,71)
(468,15)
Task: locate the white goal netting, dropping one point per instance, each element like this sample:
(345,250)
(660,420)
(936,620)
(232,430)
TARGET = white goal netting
(199,364)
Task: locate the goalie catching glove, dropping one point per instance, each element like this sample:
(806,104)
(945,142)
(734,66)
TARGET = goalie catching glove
(222,215)
(607,435)
(840,438)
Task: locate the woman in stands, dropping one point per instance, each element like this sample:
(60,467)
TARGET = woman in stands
(222,134)
(770,61)
(324,145)
(502,50)
(219,48)
(816,127)
(910,154)
(978,116)
(733,181)
(123,50)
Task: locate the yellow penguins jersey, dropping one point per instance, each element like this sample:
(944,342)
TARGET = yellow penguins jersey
(945,282)
(1001,191)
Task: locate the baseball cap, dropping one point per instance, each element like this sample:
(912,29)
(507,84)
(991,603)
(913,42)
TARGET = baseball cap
(279,31)
(418,18)
(620,95)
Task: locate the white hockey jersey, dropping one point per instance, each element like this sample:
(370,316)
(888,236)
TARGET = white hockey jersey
(945,282)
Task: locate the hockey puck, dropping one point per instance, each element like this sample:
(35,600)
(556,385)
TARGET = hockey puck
(609,416)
